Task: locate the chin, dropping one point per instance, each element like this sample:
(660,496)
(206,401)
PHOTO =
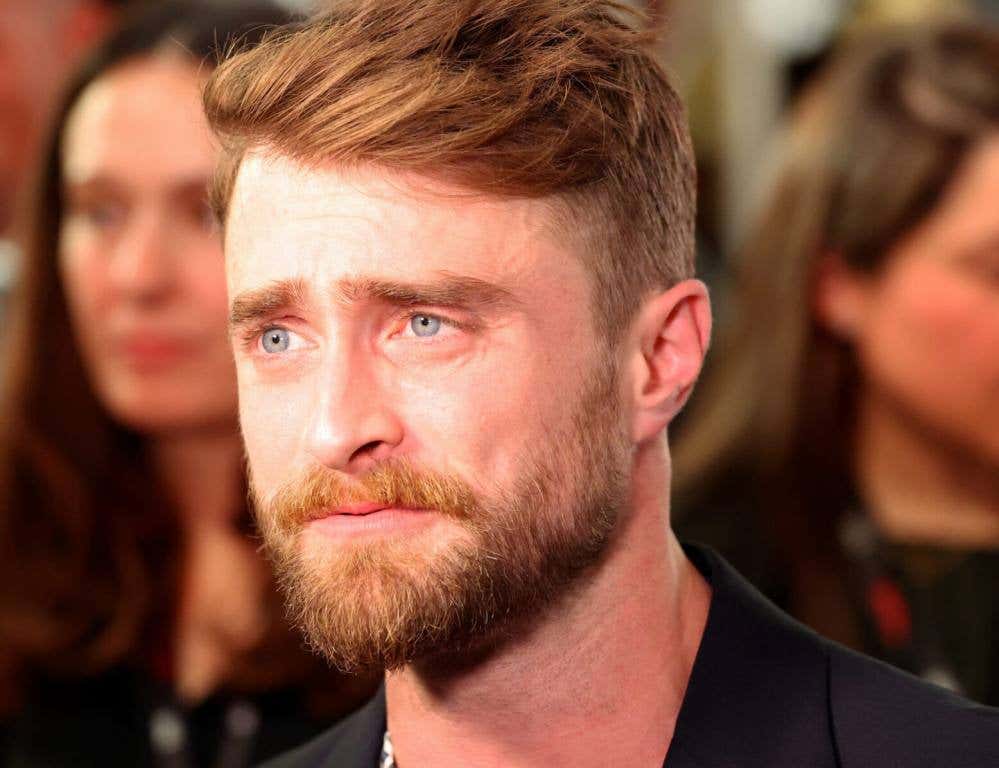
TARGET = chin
(972,447)
(167,403)
(991,449)
(153,417)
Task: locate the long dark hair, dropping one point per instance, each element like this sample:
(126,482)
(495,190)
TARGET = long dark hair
(874,144)
(88,539)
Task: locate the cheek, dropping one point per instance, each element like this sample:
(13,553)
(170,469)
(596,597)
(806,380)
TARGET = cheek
(206,306)
(84,277)
(479,420)
(273,420)
(204,281)
(932,339)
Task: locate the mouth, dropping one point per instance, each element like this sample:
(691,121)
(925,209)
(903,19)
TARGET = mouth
(152,351)
(368,518)
(361,508)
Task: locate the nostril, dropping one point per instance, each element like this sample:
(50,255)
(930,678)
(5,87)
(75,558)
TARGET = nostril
(368,450)
(345,433)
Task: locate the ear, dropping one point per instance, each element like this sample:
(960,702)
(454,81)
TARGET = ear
(673,330)
(840,297)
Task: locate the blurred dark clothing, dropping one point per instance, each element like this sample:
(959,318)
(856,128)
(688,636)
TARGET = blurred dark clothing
(106,722)
(729,520)
(933,612)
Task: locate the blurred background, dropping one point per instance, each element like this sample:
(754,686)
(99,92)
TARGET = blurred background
(739,64)
(842,449)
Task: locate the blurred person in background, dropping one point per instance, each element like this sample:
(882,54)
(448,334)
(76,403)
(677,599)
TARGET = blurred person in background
(40,43)
(844,449)
(138,623)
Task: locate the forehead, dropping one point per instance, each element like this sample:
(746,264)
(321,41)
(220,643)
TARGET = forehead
(977,181)
(964,219)
(141,119)
(327,224)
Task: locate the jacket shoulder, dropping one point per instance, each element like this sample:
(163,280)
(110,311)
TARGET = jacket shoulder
(763,684)
(886,717)
(312,754)
(355,742)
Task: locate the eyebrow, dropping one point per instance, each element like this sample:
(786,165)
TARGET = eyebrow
(452,291)
(262,303)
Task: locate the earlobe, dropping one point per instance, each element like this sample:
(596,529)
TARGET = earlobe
(674,330)
(838,297)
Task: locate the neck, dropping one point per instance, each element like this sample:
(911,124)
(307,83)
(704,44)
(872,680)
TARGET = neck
(618,653)
(222,585)
(919,487)
(200,470)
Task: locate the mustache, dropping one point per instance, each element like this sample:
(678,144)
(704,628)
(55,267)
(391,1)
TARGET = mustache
(393,483)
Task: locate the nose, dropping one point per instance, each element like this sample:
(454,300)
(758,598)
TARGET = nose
(142,264)
(354,424)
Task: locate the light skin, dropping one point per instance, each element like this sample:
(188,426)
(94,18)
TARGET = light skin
(354,382)
(142,268)
(926,331)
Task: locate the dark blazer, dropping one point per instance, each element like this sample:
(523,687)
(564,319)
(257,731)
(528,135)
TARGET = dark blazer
(767,692)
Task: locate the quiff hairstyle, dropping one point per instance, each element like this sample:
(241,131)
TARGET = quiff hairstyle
(558,99)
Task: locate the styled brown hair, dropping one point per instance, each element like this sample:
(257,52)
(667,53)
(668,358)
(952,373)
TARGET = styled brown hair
(525,98)
(89,540)
(875,143)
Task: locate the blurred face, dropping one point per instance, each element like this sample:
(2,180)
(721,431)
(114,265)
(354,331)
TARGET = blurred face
(434,435)
(140,258)
(929,335)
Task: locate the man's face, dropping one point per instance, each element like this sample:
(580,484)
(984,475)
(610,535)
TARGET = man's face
(433,425)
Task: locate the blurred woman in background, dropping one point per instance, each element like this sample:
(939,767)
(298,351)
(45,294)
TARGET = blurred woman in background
(138,623)
(845,447)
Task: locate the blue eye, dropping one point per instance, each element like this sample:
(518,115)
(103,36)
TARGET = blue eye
(425,325)
(276,340)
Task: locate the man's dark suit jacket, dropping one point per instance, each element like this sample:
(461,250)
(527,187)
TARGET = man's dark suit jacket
(765,692)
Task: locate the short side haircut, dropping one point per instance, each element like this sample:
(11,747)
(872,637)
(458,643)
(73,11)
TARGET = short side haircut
(521,98)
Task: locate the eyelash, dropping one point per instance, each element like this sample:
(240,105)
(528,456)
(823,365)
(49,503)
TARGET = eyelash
(253,334)
(450,322)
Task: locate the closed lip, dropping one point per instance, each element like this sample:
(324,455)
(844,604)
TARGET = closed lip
(360,509)
(153,347)
(363,508)
(367,519)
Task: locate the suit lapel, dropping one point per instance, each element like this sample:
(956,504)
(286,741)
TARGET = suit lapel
(360,742)
(758,692)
